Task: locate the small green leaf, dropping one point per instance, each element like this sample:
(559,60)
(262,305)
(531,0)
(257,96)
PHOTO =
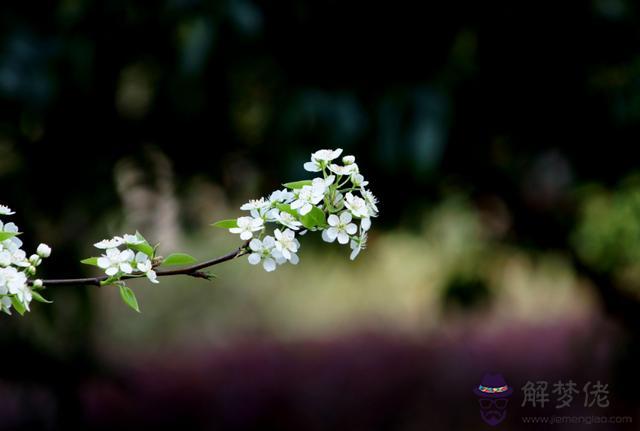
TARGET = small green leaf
(7,235)
(140,237)
(297,184)
(90,261)
(144,247)
(287,208)
(129,297)
(314,218)
(226,224)
(40,298)
(18,305)
(179,259)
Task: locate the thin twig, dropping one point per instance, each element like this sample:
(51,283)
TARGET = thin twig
(192,271)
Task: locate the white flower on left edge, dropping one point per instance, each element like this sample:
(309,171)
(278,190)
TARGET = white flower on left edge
(287,244)
(340,228)
(115,261)
(246,227)
(5,210)
(14,282)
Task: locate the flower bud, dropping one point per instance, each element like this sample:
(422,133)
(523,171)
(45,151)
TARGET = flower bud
(35,260)
(37,284)
(44,250)
(347,160)
(31,270)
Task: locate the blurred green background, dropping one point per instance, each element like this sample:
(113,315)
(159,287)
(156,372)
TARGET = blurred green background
(500,139)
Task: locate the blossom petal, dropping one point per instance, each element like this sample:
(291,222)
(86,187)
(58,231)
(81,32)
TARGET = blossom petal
(255,244)
(254,258)
(343,238)
(312,167)
(351,228)
(269,264)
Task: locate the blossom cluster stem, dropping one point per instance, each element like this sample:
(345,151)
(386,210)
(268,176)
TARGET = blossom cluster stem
(194,270)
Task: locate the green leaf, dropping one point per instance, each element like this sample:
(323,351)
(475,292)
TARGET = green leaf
(226,224)
(144,247)
(7,235)
(18,305)
(179,259)
(287,208)
(314,218)
(297,184)
(40,298)
(129,297)
(90,261)
(111,280)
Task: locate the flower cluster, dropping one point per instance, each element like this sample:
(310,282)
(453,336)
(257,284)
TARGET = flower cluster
(136,257)
(17,271)
(338,204)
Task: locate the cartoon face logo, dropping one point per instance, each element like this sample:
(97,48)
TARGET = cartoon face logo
(493,395)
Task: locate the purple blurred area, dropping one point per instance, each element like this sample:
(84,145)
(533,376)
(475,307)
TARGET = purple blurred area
(370,380)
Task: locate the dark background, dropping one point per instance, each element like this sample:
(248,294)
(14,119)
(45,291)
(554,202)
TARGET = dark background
(500,139)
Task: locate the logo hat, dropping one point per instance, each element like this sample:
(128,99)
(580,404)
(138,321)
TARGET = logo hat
(493,386)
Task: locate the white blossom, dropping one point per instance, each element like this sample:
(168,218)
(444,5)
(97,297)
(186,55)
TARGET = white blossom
(356,205)
(287,244)
(115,261)
(340,228)
(347,160)
(371,201)
(358,180)
(43,250)
(255,204)
(132,239)
(114,242)
(19,258)
(5,304)
(246,227)
(5,210)
(320,158)
(264,251)
(281,196)
(6,258)
(144,265)
(344,170)
(288,220)
(358,243)
(14,282)
(306,198)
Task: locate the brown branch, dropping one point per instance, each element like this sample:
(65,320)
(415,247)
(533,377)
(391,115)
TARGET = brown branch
(192,271)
